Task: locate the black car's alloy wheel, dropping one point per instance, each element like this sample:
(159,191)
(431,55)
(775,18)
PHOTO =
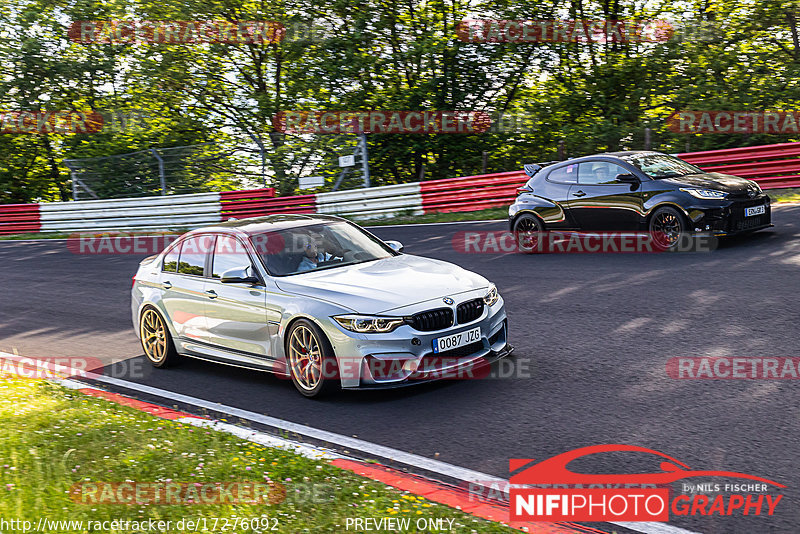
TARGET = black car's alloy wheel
(666,227)
(526,231)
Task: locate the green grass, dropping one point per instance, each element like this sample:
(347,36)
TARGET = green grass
(52,438)
(482,215)
(789,194)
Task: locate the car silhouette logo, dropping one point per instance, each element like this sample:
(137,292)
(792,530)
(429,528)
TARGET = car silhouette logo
(448,301)
(554,470)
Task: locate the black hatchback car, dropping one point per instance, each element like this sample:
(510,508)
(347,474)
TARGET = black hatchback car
(637,191)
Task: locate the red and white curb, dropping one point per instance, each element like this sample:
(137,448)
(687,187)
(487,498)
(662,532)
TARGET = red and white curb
(435,491)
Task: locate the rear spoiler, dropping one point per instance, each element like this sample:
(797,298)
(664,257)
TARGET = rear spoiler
(533,168)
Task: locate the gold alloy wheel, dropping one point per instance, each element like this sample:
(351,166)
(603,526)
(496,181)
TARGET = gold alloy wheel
(154,336)
(305,358)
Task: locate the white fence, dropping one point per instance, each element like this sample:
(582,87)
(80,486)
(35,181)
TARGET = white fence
(148,213)
(385,201)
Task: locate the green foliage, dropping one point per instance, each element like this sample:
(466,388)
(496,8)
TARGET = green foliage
(378,55)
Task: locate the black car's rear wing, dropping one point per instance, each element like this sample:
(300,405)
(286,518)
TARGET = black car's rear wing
(533,168)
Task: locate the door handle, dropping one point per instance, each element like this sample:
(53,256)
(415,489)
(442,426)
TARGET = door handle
(211,294)
(579,194)
(166,285)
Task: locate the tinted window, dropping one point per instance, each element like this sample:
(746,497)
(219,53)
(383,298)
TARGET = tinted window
(229,253)
(600,172)
(316,246)
(657,165)
(567,173)
(193,255)
(171,259)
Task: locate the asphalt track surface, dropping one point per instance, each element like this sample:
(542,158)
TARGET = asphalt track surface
(592,332)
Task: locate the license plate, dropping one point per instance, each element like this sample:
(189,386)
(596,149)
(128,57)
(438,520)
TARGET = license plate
(755,210)
(453,341)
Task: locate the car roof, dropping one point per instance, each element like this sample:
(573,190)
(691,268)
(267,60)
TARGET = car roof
(266,223)
(614,155)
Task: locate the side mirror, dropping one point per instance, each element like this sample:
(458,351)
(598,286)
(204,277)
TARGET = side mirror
(238,275)
(397,246)
(627,178)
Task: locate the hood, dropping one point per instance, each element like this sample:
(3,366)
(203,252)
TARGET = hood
(377,286)
(712,180)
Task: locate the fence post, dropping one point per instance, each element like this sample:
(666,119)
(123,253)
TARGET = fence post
(160,171)
(647,143)
(562,150)
(484,161)
(364,158)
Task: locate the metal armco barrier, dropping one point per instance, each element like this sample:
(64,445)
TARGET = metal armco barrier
(255,202)
(772,166)
(385,201)
(19,219)
(471,193)
(148,213)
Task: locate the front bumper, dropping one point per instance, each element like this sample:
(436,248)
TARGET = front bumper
(405,356)
(728,218)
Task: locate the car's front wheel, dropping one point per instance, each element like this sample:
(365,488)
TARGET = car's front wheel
(156,339)
(312,363)
(667,225)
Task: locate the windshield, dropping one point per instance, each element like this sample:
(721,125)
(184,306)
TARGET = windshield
(316,246)
(658,166)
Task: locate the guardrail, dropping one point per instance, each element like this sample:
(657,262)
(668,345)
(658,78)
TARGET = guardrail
(255,202)
(149,213)
(19,219)
(772,166)
(384,201)
(471,193)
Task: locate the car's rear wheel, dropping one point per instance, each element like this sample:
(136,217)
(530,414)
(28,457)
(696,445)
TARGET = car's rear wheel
(156,339)
(667,225)
(527,230)
(312,363)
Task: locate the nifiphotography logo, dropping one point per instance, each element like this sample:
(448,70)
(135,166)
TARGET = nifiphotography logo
(564,495)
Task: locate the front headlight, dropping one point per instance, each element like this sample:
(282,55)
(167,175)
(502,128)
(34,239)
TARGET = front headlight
(491,296)
(367,324)
(705,193)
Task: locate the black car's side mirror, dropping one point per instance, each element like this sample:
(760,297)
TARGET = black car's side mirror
(627,178)
(238,275)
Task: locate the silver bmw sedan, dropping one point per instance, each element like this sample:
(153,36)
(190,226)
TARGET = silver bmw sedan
(318,300)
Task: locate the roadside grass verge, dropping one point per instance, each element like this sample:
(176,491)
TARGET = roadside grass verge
(481,215)
(52,437)
(789,194)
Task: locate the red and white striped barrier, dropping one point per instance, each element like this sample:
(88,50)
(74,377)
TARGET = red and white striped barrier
(772,166)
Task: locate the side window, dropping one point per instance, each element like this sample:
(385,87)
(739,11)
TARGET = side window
(170,264)
(193,255)
(229,253)
(566,174)
(599,172)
